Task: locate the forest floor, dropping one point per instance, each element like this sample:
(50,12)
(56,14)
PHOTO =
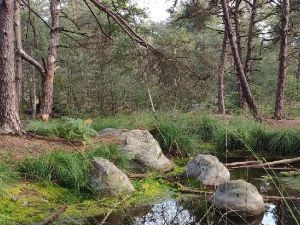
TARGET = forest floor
(13,148)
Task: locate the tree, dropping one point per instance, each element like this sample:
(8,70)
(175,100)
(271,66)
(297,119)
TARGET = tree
(278,114)
(9,114)
(238,63)
(18,44)
(48,75)
(221,72)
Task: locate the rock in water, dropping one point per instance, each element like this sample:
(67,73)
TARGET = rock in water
(141,145)
(107,179)
(238,197)
(207,169)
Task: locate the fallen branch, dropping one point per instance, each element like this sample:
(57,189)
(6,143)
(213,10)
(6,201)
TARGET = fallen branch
(278,198)
(54,215)
(235,164)
(269,164)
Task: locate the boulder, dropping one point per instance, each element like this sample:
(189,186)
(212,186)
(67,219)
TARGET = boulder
(239,198)
(141,145)
(207,169)
(107,179)
(113,132)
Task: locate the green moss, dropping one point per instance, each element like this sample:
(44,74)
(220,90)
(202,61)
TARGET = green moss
(31,202)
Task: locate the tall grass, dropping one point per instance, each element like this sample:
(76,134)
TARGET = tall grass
(111,153)
(7,176)
(71,169)
(63,168)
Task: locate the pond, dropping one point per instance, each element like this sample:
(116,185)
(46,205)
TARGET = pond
(194,210)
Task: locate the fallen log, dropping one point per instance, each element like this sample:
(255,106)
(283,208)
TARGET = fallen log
(269,164)
(235,164)
(279,198)
(54,215)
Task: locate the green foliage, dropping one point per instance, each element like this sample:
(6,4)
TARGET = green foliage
(75,129)
(113,154)
(206,126)
(63,168)
(283,142)
(118,121)
(7,175)
(173,135)
(69,128)
(238,134)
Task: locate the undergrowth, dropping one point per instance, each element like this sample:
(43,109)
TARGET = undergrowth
(7,176)
(69,128)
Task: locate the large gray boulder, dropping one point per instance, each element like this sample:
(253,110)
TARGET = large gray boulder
(207,169)
(239,198)
(141,145)
(107,179)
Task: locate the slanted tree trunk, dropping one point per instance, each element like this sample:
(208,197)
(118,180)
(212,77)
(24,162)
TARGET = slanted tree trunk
(221,73)
(18,58)
(238,63)
(9,115)
(48,76)
(237,28)
(278,114)
(248,60)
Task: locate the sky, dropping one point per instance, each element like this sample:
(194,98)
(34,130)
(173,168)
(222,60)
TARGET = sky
(157,9)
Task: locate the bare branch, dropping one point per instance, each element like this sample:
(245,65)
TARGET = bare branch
(31,60)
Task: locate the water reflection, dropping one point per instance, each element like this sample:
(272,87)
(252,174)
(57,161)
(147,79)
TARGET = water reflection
(169,212)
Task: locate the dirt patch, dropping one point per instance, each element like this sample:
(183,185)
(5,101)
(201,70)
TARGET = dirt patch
(13,148)
(283,124)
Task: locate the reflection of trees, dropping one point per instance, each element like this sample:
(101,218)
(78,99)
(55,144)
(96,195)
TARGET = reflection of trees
(167,213)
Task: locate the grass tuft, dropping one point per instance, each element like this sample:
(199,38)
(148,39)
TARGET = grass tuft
(63,168)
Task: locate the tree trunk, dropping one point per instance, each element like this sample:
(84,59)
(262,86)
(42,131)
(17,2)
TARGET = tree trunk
(248,60)
(278,114)
(237,60)
(221,72)
(18,58)
(9,114)
(48,76)
(298,72)
(237,26)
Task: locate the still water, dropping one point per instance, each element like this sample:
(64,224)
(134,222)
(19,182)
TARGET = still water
(194,210)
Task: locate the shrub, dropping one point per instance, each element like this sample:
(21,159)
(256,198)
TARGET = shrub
(63,168)
(69,128)
(75,129)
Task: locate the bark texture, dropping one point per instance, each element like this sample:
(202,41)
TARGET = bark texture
(48,76)
(18,58)
(238,63)
(9,115)
(278,114)
(221,73)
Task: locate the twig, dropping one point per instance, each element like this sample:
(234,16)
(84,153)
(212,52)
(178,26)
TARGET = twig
(54,215)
